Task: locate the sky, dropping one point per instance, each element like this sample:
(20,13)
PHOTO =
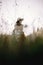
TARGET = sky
(30,10)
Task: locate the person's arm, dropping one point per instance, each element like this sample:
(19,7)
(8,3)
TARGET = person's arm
(14,30)
(25,26)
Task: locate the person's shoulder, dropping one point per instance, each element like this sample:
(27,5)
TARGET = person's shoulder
(22,24)
(15,25)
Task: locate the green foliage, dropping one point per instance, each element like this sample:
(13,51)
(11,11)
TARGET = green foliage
(11,48)
(1,40)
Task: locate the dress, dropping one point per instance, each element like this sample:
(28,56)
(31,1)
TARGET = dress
(18,31)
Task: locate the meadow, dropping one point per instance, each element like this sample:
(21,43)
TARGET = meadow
(24,49)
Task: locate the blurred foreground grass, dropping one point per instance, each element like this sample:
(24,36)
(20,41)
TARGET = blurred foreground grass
(24,49)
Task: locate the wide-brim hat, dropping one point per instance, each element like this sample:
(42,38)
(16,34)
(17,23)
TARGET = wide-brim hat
(19,20)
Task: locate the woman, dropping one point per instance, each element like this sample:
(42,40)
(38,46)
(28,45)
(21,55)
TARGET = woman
(18,31)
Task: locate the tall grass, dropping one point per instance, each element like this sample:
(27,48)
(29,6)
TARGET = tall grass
(25,48)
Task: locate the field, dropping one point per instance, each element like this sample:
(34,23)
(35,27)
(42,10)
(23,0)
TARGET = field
(24,49)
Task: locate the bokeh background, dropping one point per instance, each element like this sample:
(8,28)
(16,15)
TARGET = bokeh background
(30,10)
(30,45)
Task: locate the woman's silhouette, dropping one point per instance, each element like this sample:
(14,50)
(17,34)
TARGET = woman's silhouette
(18,31)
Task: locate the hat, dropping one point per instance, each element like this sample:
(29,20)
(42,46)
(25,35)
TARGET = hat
(19,19)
